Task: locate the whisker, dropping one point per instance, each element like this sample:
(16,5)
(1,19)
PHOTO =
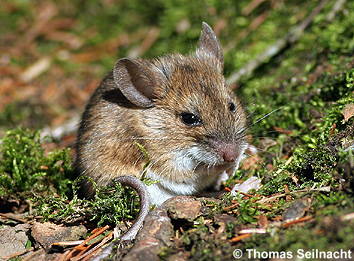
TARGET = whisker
(260,119)
(265,116)
(144,138)
(152,138)
(249,115)
(268,133)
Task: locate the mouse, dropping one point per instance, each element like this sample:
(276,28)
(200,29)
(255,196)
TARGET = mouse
(172,119)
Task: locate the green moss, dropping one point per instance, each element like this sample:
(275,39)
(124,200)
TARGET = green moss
(333,203)
(203,246)
(329,234)
(110,206)
(313,165)
(310,110)
(47,181)
(247,211)
(24,167)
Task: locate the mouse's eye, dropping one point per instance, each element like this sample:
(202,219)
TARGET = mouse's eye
(190,119)
(232,107)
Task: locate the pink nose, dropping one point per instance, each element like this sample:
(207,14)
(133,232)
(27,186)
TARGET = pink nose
(227,151)
(229,154)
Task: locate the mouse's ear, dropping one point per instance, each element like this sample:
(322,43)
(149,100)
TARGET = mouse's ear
(209,44)
(135,81)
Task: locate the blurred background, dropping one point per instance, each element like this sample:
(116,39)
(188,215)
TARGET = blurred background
(53,54)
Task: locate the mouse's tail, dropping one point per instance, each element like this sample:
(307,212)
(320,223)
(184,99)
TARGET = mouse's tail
(144,196)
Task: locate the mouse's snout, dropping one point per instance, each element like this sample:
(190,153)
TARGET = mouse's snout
(227,151)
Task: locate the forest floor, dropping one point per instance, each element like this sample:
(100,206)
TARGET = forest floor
(53,56)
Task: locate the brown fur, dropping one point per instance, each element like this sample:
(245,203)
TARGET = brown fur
(112,124)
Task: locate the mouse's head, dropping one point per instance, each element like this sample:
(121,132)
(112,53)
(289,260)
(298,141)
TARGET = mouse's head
(188,114)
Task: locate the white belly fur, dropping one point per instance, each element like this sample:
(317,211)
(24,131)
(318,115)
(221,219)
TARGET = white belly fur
(203,178)
(165,189)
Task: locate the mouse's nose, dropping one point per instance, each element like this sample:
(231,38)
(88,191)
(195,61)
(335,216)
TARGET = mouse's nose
(227,151)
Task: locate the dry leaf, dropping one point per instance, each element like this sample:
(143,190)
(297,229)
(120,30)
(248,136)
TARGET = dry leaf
(348,112)
(263,221)
(297,209)
(283,131)
(245,187)
(251,162)
(267,142)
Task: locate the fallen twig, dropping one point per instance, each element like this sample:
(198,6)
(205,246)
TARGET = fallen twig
(245,194)
(258,21)
(149,40)
(228,208)
(323,189)
(251,6)
(338,5)
(68,243)
(96,233)
(293,35)
(293,222)
(81,250)
(253,231)
(227,189)
(239,238)
(94,250)
(82,247)
(36,69)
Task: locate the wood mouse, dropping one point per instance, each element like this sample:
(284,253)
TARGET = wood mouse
(178,109)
